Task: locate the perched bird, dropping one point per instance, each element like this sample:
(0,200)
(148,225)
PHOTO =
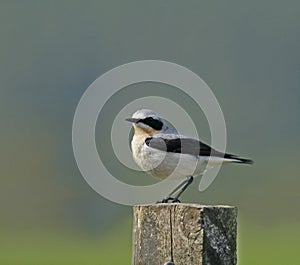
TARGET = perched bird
(162,152)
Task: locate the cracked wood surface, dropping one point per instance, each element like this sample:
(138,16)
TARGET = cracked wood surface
(185,234)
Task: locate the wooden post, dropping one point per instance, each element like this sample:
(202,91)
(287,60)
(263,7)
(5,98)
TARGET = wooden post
(184,234)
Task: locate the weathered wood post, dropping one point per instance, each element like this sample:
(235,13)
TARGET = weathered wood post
(184,234)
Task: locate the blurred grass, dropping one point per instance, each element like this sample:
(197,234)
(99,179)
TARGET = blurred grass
(274,244)
(29,248)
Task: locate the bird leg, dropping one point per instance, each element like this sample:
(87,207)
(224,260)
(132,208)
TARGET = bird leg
(169,196)
(188,183)
(181,188)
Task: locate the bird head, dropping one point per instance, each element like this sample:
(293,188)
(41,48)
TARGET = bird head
(147,121)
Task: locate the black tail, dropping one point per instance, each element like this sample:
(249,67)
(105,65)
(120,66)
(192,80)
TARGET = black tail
(239,159)
(244,161)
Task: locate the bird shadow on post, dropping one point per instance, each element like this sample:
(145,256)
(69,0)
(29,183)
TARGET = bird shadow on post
(184,234)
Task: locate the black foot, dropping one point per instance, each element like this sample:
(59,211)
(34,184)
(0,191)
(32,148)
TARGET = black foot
(170,199)
(166,200)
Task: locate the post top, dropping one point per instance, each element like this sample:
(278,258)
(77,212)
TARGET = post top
(192,205)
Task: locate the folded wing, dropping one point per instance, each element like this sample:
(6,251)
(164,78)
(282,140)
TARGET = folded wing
(190,146)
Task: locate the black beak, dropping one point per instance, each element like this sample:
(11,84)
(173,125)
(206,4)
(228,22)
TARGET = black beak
(132,120)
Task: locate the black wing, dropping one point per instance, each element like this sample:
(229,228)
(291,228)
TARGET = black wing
(180,145)
(188,146)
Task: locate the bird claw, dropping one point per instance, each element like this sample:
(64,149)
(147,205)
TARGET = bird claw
(166,200)
(176,200)
(169,199)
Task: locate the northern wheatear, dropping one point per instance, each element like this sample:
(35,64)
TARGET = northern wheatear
(162,152)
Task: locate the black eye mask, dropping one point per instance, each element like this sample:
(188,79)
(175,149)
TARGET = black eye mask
(153,123)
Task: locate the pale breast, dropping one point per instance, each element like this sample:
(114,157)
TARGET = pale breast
(138,141)
(146,158)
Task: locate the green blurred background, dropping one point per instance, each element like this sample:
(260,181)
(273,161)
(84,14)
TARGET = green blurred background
(50,51)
